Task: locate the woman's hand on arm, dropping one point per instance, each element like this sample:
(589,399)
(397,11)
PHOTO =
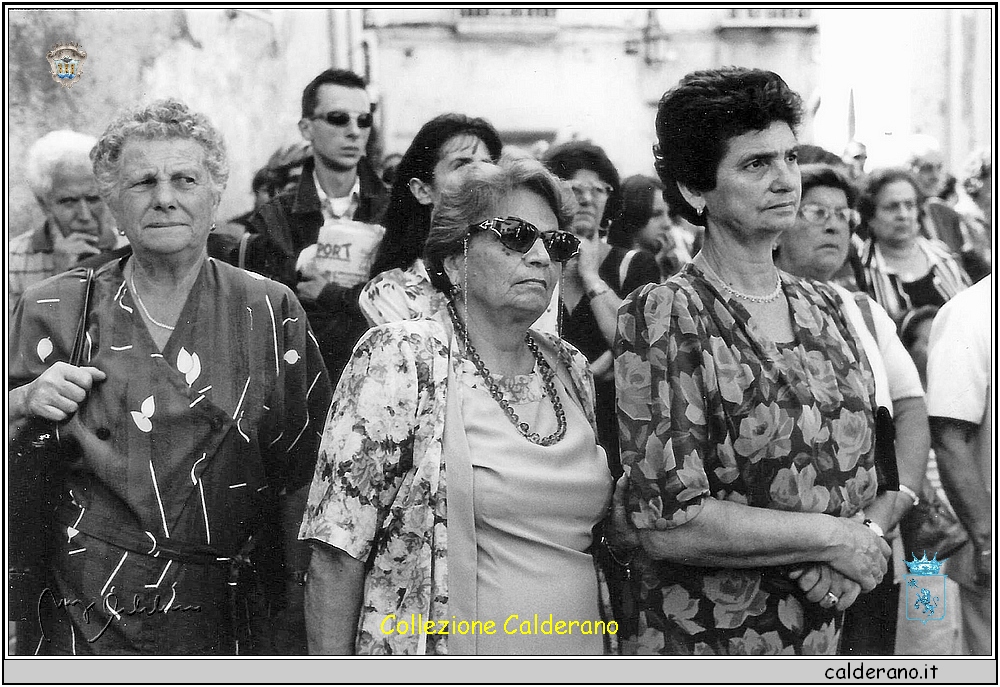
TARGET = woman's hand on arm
(818,579)
(334,590)
(726,534)
(54,395)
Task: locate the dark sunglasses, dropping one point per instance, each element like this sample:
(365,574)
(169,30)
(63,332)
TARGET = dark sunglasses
(341,118)
(516,234)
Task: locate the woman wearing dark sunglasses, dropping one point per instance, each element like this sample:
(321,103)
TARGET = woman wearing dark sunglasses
(459,478)
(746,406)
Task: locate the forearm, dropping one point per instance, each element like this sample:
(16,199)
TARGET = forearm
(17,411)
(955,449)
(334,590)
(733,535)
(913,442)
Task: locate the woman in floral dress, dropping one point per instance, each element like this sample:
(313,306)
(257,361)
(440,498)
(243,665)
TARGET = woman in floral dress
(745,403)
(459,479)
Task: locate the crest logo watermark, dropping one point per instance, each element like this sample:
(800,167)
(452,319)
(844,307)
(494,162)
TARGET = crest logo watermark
(66,62)
(925,589)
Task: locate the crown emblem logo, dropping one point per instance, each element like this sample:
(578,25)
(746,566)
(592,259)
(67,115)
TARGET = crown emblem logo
(923,566)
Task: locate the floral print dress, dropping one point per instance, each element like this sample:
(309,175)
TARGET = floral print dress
(711,408)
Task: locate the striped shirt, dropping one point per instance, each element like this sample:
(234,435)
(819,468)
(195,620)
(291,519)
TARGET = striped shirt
(888,289)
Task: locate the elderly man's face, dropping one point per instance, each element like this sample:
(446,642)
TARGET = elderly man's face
(929,172)
(74,205)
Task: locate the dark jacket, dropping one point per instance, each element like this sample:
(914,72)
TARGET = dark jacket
(283,227)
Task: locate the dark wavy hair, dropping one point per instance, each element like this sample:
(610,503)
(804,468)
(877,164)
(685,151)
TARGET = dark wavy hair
(638,192)
(406,220)
(818,174)
(874,183)
(697,117)
(567,159)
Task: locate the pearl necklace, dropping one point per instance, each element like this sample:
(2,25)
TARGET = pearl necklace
(747,297)
(135,292)
(547,381)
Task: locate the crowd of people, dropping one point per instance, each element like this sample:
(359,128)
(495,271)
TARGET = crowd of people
(479,400)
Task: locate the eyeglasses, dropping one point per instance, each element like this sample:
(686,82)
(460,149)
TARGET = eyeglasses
(341,118)
(581,189)
(516,234)
(820,214)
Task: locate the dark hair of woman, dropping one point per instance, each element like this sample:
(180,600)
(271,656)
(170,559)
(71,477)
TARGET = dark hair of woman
(567,159)
(406,220)
(826,175)
(873,185)
(637,194)
(696,119)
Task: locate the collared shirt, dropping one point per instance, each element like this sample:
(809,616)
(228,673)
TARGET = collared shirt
(341,207)
(31,258)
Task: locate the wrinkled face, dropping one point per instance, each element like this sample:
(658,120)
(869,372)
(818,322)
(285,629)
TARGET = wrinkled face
(166,200)
(757,183)
(896,212)
(457,152)
(929,172)
(817,248)
(655,234)
(502,281)
(592,195)
(338,147)
(74,204)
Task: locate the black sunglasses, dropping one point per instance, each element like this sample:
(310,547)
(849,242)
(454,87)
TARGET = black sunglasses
(516,234)
(341,118)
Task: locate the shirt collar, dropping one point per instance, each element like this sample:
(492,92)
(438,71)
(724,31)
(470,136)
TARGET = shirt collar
(326,203)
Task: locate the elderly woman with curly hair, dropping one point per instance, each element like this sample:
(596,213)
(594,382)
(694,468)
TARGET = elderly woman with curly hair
(459,478)
(197,404)
(746,404)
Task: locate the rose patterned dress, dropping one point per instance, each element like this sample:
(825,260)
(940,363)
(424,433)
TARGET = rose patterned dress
(711,408)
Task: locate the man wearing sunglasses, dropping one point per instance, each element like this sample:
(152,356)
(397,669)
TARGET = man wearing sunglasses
(320,237)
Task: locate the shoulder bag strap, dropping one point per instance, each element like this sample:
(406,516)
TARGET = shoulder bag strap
(81,328)
(864,305)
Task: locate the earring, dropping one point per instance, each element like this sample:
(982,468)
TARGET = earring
(121,232)
(700,211)
(212,228)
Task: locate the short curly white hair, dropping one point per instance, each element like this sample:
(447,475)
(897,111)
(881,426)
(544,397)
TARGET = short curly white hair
(161,119)
(57,149)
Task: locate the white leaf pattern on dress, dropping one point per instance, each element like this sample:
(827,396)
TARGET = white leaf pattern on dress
(44,348)
(292,356)
(189,365)
(141,417)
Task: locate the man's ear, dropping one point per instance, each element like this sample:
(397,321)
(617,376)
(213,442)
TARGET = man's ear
(305,128)
(421,190)
(694,198)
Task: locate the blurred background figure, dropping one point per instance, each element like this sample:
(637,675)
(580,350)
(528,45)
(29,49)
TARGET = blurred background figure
(959,400)
(400,288)
(902,268)
(810,154)
(975,203)
(280,175)
(594,282)
(816,248)
(855,157)
(77,224)
(645,223)
(940,221)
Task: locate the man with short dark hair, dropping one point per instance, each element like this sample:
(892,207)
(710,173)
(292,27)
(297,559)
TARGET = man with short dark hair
(77,223)
(321,237)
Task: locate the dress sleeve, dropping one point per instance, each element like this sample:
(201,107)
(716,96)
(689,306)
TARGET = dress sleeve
(384,300)
(305,398)
(660,378)
(367,444)
(900,370)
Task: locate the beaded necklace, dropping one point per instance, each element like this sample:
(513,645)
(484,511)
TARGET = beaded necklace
(747,297)
(548,377)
